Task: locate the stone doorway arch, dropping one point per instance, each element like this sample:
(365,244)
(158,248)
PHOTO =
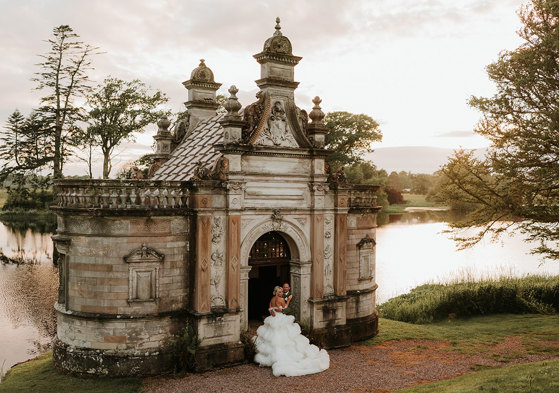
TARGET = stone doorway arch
(299,265)
(269,260)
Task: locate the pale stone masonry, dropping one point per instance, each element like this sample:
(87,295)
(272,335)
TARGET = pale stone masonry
(236,203)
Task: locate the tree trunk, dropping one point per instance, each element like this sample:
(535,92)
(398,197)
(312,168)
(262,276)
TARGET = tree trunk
(57,163)
(106,164)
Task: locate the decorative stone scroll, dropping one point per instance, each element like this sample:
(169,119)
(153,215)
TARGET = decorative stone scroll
(366,249)
(143,274)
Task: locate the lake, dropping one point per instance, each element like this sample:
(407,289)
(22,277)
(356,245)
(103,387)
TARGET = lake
(411,250)
(27,295)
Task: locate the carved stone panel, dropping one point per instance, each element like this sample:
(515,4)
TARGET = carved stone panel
(143,274)
(328,254)
(217,277)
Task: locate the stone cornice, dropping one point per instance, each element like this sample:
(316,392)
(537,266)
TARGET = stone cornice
(202,104)
(267,82)
(201,85)
(266,57)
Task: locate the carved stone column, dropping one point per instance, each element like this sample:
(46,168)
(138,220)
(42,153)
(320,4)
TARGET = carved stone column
(340,242)
(202,274)
(300,282)
(245,270)
(235,191)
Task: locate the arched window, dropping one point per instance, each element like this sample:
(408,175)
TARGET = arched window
(270,249)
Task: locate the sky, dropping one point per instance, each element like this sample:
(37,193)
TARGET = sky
(410,64)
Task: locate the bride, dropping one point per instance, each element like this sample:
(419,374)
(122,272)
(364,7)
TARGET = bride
(280,344)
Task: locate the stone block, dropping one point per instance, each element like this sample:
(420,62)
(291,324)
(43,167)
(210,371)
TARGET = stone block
(114,339)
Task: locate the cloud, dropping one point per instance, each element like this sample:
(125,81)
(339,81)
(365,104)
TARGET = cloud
(456,134)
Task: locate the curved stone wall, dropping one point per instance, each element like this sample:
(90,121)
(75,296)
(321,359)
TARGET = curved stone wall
(124,288)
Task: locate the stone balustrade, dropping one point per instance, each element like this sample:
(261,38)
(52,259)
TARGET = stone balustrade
(122,194)
(363,196)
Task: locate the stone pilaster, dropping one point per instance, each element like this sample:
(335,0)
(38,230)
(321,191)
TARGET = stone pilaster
(340,243)
(202,269)
(233,261)
(317,250)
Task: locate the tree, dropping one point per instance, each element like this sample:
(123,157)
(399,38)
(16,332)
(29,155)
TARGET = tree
(350,136)
(517,183)
(118,110)
(24,146)
(365,172)
(64,78)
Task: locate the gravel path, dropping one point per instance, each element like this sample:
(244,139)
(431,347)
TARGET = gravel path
(381,368)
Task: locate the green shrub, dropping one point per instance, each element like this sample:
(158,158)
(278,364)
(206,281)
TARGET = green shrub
(183,349)
(432,302)
(250,345)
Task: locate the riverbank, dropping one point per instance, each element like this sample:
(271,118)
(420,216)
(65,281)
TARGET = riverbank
(485,350)
(43,221)
(414,202)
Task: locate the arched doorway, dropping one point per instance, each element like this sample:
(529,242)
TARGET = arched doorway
(269,260)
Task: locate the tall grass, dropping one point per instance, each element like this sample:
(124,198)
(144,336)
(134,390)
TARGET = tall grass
(432,302)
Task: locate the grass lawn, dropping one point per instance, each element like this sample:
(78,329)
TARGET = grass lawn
(538,377)
(476,334)
(39,375)
(412,200)
(539,333)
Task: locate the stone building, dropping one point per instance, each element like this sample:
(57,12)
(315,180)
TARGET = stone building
(236,203)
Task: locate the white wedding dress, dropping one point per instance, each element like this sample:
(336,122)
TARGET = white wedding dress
(280,344)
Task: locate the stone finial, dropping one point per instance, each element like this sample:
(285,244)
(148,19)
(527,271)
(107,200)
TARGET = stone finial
(202,73)
(232,105)
(316,114)
(163,125)
(278,27)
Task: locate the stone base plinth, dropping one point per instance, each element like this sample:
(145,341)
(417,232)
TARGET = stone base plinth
(218,355)
(111,363)
(357,329)
(363,328)
(332,337)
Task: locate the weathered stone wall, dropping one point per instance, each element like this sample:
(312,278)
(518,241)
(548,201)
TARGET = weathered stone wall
(99,279)
(124,292)
(127,335)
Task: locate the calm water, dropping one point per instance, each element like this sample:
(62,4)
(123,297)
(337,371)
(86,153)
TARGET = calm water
(27,295)
(411,250)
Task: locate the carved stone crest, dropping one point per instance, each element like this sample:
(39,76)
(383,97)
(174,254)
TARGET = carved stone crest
(277,132)
(143,254)
(277,219)
(367,241)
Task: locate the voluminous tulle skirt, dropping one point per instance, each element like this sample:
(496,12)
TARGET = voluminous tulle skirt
(280,345)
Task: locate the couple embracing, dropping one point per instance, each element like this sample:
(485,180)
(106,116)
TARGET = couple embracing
(280,344)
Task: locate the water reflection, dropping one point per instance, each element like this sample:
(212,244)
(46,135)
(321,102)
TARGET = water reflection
(412,249)
(27,295)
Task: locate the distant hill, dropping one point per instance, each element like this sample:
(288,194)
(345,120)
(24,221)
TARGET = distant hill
(415,159)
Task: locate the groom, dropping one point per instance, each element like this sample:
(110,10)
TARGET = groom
(287,294)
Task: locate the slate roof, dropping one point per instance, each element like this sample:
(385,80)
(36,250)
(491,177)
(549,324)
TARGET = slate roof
(196,147)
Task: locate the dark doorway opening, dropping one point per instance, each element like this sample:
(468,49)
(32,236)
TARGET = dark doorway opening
(269,258)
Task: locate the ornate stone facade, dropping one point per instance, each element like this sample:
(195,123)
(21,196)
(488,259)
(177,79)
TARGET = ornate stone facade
(141,258)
